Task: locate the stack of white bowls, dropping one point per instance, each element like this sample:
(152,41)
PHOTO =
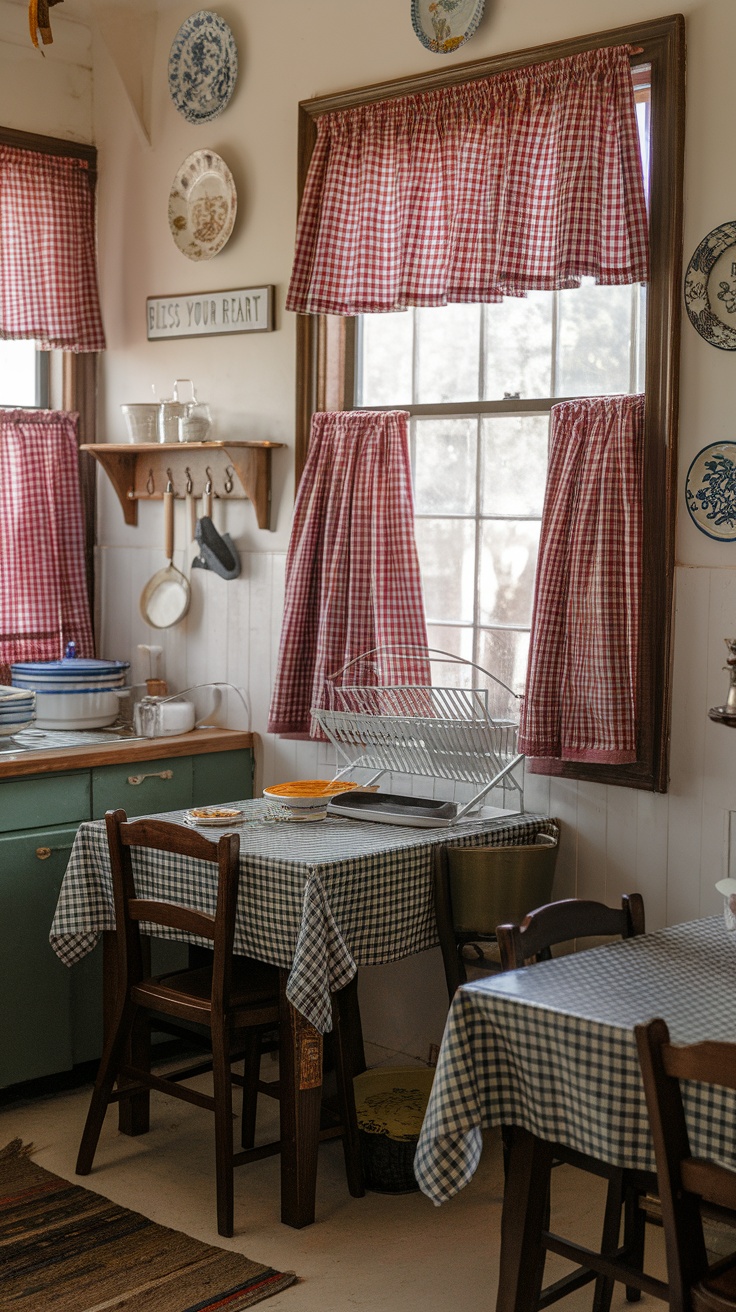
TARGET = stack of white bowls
(16,710)
(73,693)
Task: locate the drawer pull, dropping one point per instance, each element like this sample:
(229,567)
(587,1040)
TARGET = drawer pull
(43,853)
(138,778)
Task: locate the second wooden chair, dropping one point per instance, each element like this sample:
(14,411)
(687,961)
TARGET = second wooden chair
(532,941)
(685,1182)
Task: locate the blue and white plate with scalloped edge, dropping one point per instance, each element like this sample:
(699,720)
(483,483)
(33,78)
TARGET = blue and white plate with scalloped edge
(710,491)
(203,66)
(445,25)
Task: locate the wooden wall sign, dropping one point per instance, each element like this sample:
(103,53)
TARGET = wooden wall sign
(210,314)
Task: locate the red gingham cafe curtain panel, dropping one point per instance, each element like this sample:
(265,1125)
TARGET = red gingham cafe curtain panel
(527,180)
(581,691)
(352,572)
(48,278)
(43,591)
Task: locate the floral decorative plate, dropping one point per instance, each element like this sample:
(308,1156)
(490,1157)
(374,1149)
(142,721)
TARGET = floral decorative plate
(710,287)
(202,205)
(443,25)
(710,491)
(203,67)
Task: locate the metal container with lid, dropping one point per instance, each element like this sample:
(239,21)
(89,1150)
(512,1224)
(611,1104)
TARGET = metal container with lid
(173,410)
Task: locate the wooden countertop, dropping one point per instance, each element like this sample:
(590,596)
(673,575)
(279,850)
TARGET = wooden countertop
(84,757)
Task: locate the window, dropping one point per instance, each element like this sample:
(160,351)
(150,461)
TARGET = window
(479,382)
(24,375)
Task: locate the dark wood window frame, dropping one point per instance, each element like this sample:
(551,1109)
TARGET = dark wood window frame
(325,348)
(79,369)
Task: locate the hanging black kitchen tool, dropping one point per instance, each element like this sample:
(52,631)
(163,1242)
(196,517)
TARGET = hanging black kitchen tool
(217,551)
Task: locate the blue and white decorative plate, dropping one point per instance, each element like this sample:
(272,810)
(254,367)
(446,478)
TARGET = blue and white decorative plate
(710,491)
(710,288)
(444,25)
(203,67)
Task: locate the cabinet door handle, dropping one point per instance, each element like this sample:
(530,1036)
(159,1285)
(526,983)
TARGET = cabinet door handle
(43,853)
(138,778)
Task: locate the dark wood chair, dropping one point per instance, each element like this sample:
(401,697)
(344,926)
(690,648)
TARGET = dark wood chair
(688,1185)
(523,945)
(475,888)
(234,1000)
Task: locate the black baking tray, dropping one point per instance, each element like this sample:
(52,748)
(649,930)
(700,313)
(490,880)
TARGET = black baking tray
(394,809)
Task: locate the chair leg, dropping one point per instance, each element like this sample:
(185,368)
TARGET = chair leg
(251,1076)
(610,1239)
(349,1062)
(223,1091)
(635,1224)
(110,1063)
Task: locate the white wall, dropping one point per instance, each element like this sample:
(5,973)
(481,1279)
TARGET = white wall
(672,848)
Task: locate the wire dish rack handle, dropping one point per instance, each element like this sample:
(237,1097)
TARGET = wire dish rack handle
(406,727)
(426,653)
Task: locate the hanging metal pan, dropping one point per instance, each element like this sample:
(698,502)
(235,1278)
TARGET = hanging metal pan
(165,598)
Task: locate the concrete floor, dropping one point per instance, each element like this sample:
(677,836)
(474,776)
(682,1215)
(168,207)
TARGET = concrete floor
(379,1253)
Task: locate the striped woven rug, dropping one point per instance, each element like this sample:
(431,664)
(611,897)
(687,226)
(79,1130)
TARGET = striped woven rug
(66,1249)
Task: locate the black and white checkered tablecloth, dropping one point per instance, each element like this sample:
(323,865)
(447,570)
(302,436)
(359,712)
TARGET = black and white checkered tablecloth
(321,898)
(552,1048)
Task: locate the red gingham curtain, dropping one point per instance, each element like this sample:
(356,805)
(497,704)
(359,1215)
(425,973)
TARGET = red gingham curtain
(43,592)
(48,278)
(352,572)
(528,180)
(581,690)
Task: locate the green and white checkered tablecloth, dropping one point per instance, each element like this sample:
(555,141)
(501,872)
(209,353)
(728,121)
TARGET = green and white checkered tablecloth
(320,898)
(551,1048)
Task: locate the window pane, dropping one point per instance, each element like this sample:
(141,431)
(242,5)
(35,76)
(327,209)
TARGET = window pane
(448,354)
(513,464)
(385,374)
(594,351)
(444,462)
(518,346)
(446,550)
(507,565)
(504,652)
(458,642)
(17,373)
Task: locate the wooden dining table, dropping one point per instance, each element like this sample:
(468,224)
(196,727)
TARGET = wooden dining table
(550,1051)
(318,901)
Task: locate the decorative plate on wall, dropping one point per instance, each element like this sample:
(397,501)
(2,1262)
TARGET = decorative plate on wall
(202,205)
(710,287)
(443,25)
(710,491)
(203,67)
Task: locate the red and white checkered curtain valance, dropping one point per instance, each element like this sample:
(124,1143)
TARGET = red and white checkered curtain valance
(43,590)
(48,275)
(581,689)
(528,180)
(352,571)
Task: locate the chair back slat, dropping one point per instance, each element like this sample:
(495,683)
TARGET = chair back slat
(173,916)
(712,1063)
(560,922)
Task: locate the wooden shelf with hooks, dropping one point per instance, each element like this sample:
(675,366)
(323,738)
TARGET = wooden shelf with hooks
(139,471)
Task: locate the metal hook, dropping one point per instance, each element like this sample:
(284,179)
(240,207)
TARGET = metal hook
(229,473)
(190,484)
(208,488)
(150,485)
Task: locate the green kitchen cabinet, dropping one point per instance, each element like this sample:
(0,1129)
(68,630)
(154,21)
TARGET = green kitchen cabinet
(51,1014)
(35,987)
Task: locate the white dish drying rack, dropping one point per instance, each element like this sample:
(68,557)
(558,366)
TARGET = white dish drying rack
(441,733)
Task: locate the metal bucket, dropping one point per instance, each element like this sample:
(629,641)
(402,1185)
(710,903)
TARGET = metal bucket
(492,886)
(142,421)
